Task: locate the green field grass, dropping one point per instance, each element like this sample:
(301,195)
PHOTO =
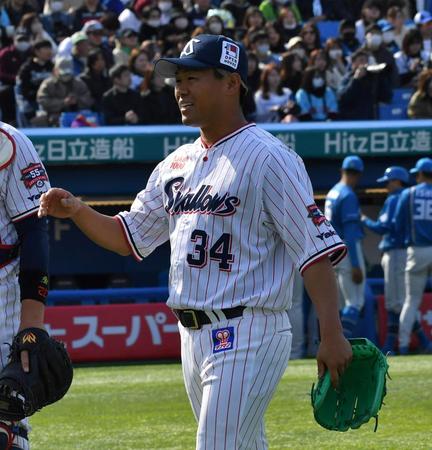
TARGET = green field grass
(145,407)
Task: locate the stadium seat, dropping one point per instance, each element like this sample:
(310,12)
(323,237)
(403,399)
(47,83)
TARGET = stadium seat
(92,118)
(397,109)
(328,29)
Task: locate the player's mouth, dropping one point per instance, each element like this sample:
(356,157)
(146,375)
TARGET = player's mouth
(185,106)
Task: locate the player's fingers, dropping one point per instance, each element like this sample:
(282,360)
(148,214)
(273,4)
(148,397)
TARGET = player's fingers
(25,361)
(334,377)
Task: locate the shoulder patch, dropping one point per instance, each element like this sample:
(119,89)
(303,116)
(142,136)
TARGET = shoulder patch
(7,149)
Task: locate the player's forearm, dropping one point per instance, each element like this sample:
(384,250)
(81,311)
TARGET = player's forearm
(320,283)
(103,230)
(32,314)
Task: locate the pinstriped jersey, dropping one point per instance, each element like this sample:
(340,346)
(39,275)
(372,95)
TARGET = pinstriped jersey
(23,179)
(240,218)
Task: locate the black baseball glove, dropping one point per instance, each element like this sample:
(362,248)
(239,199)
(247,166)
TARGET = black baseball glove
(48,380)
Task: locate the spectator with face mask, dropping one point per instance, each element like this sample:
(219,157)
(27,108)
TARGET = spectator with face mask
(361,90)
(121,104)
(374,45)
(197,14)
(287,24)
(337,66)
(316,100)
(214,25)
(175,31)
(347,37)
(150,28)
(61,92)
(420,105)
(260,45)
(166,9)
(271,97)
(411,60)
(37,68)
(370,14)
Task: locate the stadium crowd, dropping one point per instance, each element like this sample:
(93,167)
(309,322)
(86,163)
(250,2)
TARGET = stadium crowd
(61,56)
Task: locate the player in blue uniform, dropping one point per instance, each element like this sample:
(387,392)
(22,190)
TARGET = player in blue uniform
(413,220)
(393,250)
(342,209)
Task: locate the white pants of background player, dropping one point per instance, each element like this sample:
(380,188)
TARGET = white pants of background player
(418,268)
(351,294)
(393,263)
(9,322)
(230,390)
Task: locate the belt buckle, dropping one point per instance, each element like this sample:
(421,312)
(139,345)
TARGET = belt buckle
(196,325)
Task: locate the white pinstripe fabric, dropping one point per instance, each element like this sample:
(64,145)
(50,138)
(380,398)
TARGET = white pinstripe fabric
(230,391)
(270,229)
(16,202)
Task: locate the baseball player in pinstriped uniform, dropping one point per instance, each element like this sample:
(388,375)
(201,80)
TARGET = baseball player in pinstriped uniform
(23,254)
(238,209)
(413,219)
(393,249)
(342,208)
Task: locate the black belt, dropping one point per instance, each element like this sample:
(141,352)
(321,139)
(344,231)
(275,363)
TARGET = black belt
(195,319)
(8,253)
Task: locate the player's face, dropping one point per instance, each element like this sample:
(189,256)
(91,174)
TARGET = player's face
(197,94)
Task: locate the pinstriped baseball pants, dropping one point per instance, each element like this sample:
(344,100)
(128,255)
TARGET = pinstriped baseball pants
(230,390)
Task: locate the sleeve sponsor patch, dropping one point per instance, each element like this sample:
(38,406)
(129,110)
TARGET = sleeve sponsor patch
(315,214)
(34,174)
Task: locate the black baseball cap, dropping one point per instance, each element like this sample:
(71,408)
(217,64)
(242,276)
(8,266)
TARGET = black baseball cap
(207,51)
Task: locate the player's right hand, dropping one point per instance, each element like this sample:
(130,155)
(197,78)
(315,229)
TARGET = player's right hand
(58,203)
(356,275)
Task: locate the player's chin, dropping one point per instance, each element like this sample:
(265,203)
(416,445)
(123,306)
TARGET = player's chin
(189,120)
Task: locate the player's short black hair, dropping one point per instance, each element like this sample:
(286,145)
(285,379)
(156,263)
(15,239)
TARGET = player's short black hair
(351,171)
(117,71)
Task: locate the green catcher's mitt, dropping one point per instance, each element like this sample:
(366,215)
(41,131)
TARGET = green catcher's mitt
(360,393)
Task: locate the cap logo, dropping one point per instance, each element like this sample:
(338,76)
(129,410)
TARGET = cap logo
(189,48)
(230,54)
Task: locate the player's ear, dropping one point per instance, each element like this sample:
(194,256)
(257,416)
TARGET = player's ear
(233,83)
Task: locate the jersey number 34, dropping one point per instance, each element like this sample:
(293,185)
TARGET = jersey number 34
(219,251)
